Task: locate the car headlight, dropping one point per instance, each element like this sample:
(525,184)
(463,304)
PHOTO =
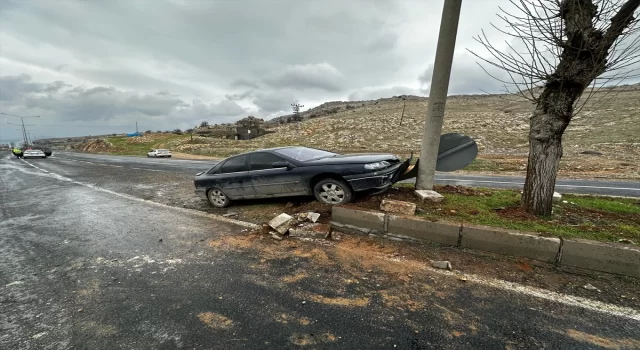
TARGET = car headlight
(377,165)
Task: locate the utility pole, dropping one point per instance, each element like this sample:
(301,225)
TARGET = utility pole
(24,132)
(25,139)
(296,109)
(402,116)
(438,94)
(136,126)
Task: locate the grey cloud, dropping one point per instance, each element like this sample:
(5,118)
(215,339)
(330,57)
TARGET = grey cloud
(244,83)
(269,103)
(264,40)
(78,103)
(322,76)
(373,93)
(13,87)
(467,77)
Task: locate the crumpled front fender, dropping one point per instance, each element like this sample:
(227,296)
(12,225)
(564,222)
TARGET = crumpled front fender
(410,172)
(406,170)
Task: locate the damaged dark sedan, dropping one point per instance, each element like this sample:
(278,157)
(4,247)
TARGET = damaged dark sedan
(298,171)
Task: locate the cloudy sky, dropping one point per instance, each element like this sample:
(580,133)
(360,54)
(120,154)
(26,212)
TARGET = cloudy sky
(92,67)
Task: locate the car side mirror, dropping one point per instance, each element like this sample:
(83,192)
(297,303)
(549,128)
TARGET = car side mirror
(287,165)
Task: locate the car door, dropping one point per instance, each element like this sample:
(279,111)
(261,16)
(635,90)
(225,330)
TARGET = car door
(269,181)
(234,179)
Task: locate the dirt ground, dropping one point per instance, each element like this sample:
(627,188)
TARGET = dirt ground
(370,259)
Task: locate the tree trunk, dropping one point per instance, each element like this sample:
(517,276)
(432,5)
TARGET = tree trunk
(545,151)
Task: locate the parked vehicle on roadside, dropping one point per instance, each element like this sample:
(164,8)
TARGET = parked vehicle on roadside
(157,153)
(298,171)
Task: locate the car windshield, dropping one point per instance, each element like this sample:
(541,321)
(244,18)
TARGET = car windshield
(304,154)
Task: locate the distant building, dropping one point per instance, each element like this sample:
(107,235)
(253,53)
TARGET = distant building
(244,129)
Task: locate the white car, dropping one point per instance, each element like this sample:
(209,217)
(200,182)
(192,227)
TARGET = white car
(33,153)
(155,153)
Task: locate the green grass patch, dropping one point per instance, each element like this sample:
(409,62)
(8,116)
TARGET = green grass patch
(617,205)
(597,218)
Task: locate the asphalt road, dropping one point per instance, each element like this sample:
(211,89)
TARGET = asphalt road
(608,188)
(86,264)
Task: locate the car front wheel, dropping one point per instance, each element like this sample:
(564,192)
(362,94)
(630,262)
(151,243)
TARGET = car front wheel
(217,198)
(332,191)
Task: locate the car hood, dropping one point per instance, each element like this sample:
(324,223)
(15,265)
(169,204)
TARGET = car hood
(360,158)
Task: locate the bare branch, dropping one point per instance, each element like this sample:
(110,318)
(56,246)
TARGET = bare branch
(565,42)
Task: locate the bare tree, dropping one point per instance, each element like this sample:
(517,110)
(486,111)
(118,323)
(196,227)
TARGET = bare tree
(560,48)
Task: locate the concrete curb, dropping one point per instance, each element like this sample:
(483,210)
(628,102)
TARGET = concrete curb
(510,243)
(605,257)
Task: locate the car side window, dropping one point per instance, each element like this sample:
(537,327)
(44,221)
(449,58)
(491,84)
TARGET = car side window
(234,165)
(263,160)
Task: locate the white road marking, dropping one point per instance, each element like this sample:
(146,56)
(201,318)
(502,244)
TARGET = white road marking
(557,185)
(568,300)
(22,159)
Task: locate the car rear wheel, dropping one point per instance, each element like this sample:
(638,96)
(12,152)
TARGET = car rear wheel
(217,198)
(332,191)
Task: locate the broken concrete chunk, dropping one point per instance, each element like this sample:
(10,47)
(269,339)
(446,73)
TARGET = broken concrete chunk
(276,236)
(282,223)
(441,265)
(589,286)
(398,207)
(310,231)
(557,196)
(428,195)
(313,217)
(309,216)
(305,233)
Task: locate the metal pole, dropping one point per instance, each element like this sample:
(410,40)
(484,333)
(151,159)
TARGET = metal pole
(438,94)
(24,134)
(402,116)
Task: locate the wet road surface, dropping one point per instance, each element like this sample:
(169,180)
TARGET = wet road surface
(85,263)
(595,187)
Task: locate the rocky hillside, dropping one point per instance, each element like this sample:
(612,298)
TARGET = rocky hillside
(99,145)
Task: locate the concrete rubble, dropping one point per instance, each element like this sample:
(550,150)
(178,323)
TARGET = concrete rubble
(301,225)
(428,195)
(309,216)
(441,265)
(398,207)
(282,223)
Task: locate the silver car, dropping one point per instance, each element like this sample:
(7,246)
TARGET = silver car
(33,153)
(155,153)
